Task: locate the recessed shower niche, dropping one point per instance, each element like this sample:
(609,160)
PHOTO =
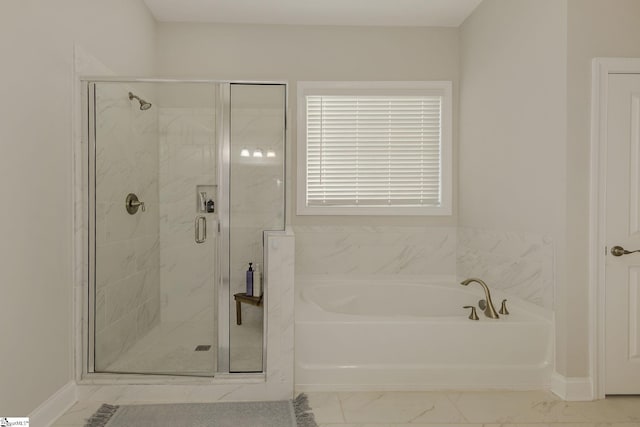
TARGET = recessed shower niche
(176,213)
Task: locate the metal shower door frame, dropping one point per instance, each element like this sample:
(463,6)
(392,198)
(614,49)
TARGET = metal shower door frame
(221,285)
(223,122)
(223,141)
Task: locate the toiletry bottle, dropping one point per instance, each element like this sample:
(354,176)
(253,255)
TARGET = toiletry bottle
(250,280)
(257,281)
(203,202)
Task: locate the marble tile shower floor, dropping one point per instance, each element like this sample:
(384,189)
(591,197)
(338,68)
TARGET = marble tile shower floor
(169,348)
(246,347)
(447,409)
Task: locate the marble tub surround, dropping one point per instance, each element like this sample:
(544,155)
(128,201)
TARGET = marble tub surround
(516,266)
(376,250)
(126,278)
(519,264)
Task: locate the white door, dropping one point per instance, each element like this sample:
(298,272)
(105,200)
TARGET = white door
(622,287)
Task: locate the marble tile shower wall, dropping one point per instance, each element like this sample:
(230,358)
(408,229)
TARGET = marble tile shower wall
(187,160)
(127,246)
(520,264)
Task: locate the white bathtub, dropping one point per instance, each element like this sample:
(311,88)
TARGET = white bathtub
(370,334)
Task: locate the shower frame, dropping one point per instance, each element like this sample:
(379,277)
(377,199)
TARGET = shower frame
(222,286)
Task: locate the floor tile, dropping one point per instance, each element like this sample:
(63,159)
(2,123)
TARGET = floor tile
(565,425)
(604,411)
(507,407)
(543,407)
(428,425)
(629,405)
(399,408)
(441,409)
(402,425)
(326,407)
(78,414)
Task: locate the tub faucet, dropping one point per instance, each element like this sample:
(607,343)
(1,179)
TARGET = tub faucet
(488,308)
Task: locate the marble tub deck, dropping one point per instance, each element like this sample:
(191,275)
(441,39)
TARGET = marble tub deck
(450,409)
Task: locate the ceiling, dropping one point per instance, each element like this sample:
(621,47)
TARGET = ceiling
(432,13)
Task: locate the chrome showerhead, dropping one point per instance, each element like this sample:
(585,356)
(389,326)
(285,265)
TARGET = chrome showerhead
(144,105)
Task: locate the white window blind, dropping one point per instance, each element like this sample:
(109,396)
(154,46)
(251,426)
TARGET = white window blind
(373,151)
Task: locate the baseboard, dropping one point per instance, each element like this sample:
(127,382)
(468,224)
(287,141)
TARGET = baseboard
(572,388)
(56,405)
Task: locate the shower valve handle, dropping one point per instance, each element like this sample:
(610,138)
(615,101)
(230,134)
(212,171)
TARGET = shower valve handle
(473,315)
(132,204)
(503,309)
(140,204)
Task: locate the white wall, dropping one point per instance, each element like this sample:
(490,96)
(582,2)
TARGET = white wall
(36,41)
(512,116)
(512,143)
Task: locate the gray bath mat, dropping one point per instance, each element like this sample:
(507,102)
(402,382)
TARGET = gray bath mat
(296,413)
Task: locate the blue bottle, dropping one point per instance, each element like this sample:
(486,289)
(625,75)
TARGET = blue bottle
(250,280)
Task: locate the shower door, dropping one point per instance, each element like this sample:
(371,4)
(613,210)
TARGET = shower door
(153,220)
(184,178)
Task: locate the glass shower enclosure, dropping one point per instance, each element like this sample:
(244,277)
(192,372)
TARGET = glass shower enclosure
(184,178)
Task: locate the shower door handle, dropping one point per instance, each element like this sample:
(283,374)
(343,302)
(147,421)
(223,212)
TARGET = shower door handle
(201,229)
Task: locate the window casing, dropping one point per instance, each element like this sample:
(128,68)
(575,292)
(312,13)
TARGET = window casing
(374,148)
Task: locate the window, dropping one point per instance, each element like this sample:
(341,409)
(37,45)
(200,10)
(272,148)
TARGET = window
(374,148)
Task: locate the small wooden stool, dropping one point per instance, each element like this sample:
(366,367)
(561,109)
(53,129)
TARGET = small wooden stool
(243,297)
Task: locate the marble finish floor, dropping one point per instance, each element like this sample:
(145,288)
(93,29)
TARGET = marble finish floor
(448,409)
(169,348)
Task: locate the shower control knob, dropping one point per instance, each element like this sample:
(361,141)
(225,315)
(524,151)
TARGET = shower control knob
(503,309)
(473,315)
(132,204)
